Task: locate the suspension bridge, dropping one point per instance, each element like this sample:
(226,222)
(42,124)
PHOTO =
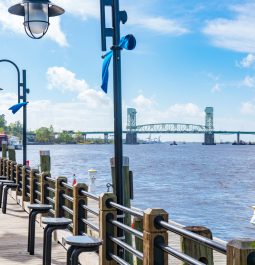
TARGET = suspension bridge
(132,129)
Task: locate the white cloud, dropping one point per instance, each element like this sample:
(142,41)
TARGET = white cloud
(81,8)
(75,115)
(248,108)
(142,102)
(216,88)
(14,24)
(247,61)
(64,80)
(249,81)
(150,113)
(158,24)
(236,34)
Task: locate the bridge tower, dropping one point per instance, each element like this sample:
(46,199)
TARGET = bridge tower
(209,135)
(131,136)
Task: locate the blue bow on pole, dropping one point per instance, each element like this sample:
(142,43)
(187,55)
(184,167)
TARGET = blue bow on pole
(17,107)
(128,43)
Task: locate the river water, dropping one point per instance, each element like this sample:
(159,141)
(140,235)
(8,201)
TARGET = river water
(212,186)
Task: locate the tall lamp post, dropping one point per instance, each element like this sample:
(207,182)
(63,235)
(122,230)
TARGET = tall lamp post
(22,85)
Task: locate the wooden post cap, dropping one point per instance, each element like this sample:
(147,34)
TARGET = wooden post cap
(44,153)
(125,161)
(241,252)
(150,216)
(200,230)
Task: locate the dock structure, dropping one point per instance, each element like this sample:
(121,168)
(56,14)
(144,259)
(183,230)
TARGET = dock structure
(153,239)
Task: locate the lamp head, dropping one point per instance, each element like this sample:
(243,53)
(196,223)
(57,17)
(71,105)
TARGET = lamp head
(36,15)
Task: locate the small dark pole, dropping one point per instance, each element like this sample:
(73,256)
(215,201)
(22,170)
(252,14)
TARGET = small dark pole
(25,91)
(24,97)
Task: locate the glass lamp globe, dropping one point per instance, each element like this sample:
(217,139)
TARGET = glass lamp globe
(36,15)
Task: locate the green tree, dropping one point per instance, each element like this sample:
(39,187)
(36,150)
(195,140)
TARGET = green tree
(65,137)
(16,129)
(78,137)
(2,122)
(44,135)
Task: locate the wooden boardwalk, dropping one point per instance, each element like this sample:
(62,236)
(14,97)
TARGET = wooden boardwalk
(13,242)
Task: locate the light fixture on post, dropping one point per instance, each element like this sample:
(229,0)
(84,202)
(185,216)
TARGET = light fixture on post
(36,15)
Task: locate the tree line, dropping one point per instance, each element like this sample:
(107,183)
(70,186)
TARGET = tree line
(46,135)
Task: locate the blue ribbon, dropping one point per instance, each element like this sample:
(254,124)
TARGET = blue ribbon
(128,43)
(17,107)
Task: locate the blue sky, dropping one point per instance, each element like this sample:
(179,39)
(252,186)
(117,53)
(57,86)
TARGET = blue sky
(189,55)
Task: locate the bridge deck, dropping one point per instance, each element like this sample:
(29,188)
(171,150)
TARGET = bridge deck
(13,242)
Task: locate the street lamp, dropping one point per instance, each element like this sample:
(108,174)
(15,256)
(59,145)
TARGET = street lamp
(36,15)
(25,91)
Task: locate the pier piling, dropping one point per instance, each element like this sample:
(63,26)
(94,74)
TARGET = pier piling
(196,250)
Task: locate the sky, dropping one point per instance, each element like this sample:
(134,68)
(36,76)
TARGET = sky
(189,55)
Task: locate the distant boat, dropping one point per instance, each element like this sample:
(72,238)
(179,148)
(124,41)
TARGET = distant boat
(16,142)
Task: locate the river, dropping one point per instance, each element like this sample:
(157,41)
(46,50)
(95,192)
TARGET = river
(212,186)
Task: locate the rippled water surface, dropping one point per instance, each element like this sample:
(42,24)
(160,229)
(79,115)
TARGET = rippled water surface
(212,186)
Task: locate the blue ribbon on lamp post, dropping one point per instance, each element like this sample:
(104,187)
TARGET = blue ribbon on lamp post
(17,107)
(128,43)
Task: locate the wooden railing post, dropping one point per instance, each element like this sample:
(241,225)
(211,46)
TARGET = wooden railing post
(59,201)
(78,212)
(196,250)
(138,225)
(106,229)
(44,183)
(5,167)
(13,167)
(8,168)
(152,234)
(25,198)
(32,185)
(1,166)
(241,252)
(19,179)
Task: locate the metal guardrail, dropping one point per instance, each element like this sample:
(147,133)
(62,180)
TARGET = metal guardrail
(126,209)
(90,195)
(200,239)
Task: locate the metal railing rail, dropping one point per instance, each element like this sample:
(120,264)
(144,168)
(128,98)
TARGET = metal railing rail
(118,259)
(94,227)
(179,255)
(85,207)
(126,209)
(67,197)
(200,239)
(90,195)
(126,228)
(127,247)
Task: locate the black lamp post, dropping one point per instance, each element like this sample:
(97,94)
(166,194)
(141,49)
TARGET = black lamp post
(36,15)
(25,91)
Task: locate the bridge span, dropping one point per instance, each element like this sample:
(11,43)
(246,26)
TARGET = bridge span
(132,130)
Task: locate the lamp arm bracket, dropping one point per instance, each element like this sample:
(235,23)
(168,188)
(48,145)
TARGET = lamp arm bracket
(123,17)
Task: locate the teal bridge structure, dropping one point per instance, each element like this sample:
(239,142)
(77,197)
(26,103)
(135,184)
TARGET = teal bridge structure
(132,129)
